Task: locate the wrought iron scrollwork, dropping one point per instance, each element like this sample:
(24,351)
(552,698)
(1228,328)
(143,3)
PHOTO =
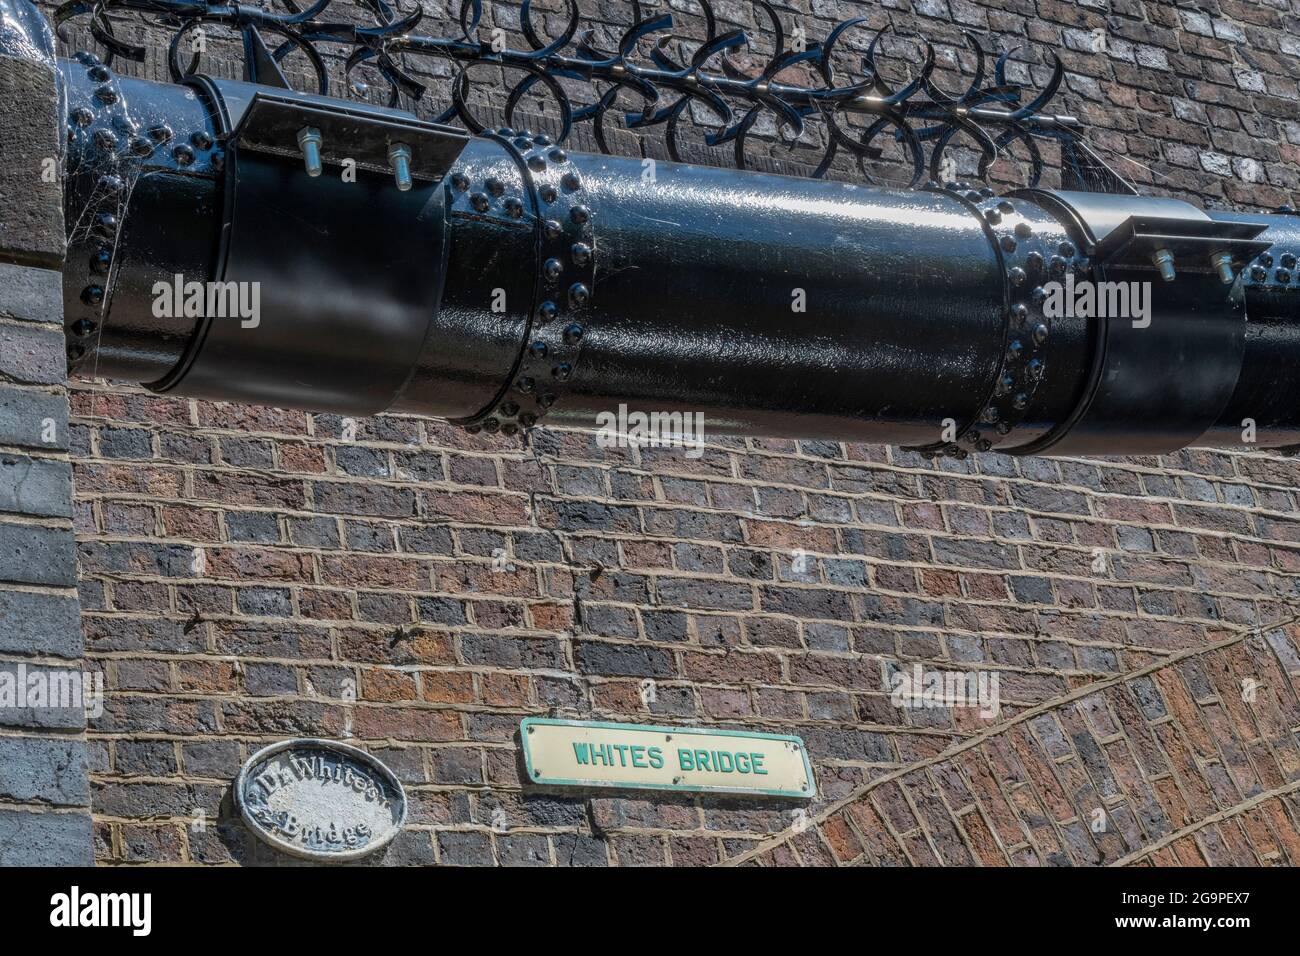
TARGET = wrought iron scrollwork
(991,113)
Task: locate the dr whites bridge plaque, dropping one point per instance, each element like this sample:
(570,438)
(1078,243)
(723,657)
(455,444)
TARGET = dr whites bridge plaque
(320,800)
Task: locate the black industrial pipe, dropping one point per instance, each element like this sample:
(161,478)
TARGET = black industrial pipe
(391,264)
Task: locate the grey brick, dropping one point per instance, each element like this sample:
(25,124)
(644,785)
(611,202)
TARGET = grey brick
(153,758)
(35,486)
(36,555)
(624,660)
(34,623)
(495,651)
(270,680)
(21,678)
(128,443)
(314,532)
(43,770)
(579,849)
(31,129)
(32,353)
(31,293)
(252,526)
(264,602)
(523,849)
(410,848)
(24,414)
(361,462)
(436,610)
(465,849)
(461,765)
(247,453)
(45,839)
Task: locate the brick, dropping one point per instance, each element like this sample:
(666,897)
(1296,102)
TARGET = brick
(40,623)
(45,839)
(36,555)
(33,294)
(43,770)
(33,419)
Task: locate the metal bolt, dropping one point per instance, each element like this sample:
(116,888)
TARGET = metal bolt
(309,141)
(1164,261)
(1222,264)
(399,158)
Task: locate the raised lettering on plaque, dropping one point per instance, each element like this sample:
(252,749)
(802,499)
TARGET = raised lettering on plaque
(320,799)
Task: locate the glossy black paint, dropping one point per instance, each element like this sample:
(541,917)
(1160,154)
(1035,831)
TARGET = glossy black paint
(533,284)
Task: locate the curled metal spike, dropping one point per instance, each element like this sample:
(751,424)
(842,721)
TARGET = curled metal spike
(667,77)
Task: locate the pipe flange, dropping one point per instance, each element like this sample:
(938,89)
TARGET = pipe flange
(108,146)
(565,282)
(1034,251)
(1031,249)
(100,133)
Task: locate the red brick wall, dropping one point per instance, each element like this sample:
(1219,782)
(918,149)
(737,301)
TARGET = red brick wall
(249,575)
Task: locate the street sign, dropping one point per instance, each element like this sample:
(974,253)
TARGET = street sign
(584,753)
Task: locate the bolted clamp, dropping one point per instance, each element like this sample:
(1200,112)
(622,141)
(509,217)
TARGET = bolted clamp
(322,132)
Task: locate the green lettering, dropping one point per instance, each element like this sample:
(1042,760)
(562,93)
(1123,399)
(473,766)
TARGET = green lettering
(757,761)
(638,756)
(656,758)
(622,754)
(742,763)
(718,757)
(580,752)
(702,759)
(685,760)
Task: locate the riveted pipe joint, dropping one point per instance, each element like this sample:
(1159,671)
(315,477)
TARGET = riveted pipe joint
(509,282)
